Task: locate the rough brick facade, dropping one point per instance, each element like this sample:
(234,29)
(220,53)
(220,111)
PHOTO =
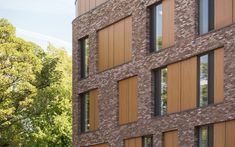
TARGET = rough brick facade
(187,44)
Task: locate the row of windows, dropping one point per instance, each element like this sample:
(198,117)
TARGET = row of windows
(211,135)
(191,83)
(115,41)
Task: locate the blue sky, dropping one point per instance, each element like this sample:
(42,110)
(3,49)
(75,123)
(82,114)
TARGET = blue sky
(41,21)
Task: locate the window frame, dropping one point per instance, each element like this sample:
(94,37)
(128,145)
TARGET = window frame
(210,88)
(210,135)
(83,65)
(157,77)
(83,112)
(211,16)
(153,27)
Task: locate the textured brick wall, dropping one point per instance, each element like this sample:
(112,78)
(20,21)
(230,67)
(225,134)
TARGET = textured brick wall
(187,44)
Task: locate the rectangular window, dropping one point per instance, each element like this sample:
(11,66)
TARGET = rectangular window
(160,89)
(147,141)
(206,16)
(205,136)
(89,111)
(85,51)
(162,31)
(85,112)
(215,14)
(156,27)
(206,78)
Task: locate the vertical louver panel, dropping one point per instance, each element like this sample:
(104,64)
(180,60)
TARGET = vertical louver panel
(219,75)
(188,84)
(115,44)
(171,139)
(168,35)
(173,79)
(223,13)
(128,100)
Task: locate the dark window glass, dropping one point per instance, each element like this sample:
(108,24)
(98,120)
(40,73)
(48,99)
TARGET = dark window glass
(205,136)
(203,81)
(160,90)
(156,32)
(206,16)
(85,112)
(147,141)
(85,51)
(206,79)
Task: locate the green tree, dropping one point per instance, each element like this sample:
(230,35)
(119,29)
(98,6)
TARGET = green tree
(35,92)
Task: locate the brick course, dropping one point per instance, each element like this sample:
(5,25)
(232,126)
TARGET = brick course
(187,44)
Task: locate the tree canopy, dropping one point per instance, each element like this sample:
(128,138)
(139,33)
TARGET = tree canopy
(35,92)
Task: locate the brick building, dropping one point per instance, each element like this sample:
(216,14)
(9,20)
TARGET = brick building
(151,73)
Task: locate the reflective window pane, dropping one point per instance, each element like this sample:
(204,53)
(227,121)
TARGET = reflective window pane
(203,136)
(163,91)
(158,27)
(85,112)
(204,16)
(203,81)
(147,141)
(160,91)
(85,51)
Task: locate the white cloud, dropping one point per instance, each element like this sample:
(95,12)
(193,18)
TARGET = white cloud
(43,39)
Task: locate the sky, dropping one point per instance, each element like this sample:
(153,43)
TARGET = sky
(41,21)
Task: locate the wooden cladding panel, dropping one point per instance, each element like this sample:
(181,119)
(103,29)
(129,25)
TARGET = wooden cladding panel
(128,39)
(233,11)
(189,84)
(134,142)
(84,6)
(95,92)
(219,75)
(128,100)
(115,44)
(171,139)
(168,35)
(173,79)
(219,134)
(223,13)
(92,4)
(119,43)
(98,2)
(224,134)
(103,49)
(87,5)
(110,48)
(133,99)
(94,111)
(230,133)
(91,111)
(123,101)
(182,85)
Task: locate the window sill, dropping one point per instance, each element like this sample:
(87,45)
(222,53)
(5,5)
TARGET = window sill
(213,31)
(159,51)
(88,132)
(184,111)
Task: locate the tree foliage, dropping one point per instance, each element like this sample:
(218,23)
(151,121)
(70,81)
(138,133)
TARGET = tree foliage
(35,92)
